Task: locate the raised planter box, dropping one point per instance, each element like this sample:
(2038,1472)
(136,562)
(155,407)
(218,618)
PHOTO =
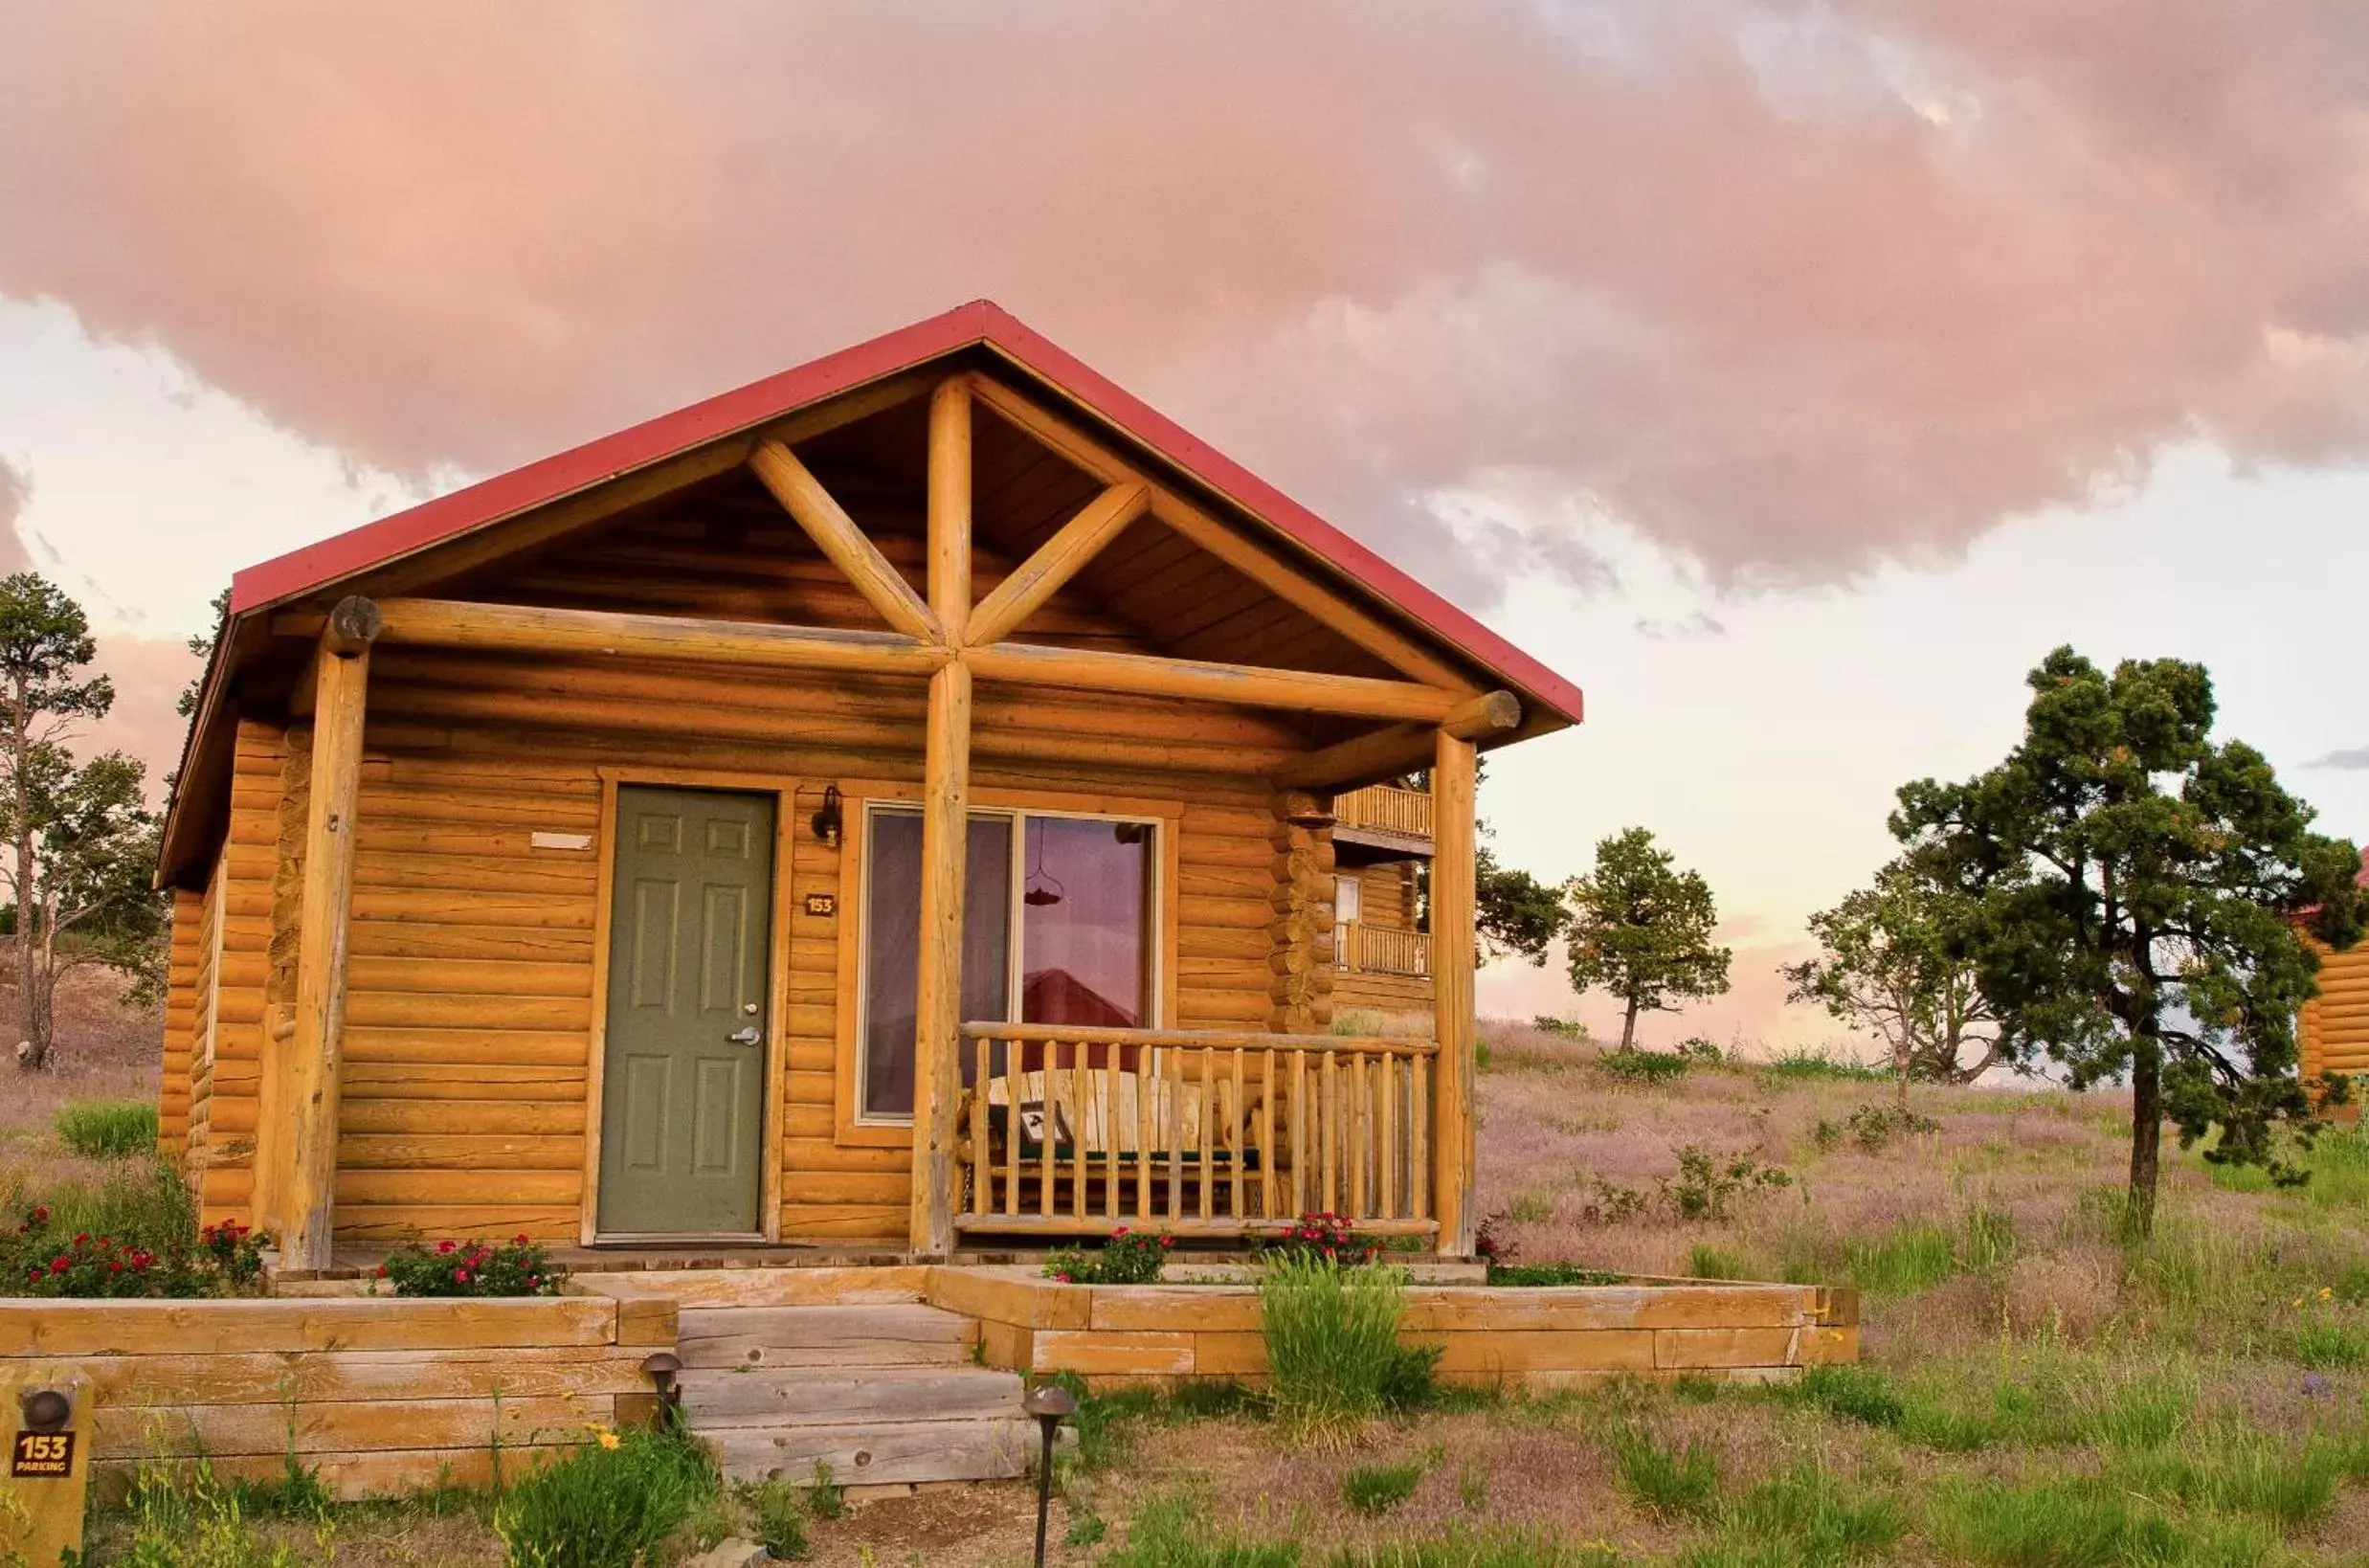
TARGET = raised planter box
(380,1394)
(1555,1337)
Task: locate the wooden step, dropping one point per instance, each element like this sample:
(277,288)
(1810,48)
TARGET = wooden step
(887,1335)
(714,1400)
(894,1453)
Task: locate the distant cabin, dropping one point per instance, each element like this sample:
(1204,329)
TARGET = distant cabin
(2334,1025)
(924,797)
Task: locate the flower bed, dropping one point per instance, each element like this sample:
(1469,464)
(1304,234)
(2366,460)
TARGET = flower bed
(42,1260)
(516,1267)
(1532,1337)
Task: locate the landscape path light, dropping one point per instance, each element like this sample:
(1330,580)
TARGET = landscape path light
(1050,1404)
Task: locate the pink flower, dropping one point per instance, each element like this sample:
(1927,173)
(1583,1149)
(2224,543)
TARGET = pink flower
(460,1276)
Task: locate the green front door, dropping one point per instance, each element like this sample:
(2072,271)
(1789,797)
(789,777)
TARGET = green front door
(683,1088)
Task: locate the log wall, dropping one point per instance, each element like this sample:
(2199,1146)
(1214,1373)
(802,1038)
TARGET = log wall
(382,1396)
(2334,1025)
(470,1005)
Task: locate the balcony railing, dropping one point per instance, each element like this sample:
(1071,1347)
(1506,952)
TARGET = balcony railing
(1381,949)
(1384,808)
(1075,1130)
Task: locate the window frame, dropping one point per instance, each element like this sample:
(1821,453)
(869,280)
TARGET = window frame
(856,1124)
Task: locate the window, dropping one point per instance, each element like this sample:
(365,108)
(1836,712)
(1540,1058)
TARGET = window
(1056,923)
(1347,908)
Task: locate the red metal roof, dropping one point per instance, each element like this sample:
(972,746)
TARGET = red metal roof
(316,567)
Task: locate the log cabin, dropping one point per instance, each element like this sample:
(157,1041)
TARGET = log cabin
(894,803)
(2333,1029)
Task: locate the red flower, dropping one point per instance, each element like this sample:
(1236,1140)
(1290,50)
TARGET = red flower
(1168,1240)
(520,1240)
(460,1276)
(59,1265)
(443,1247)
(115,1268)
(40,1214)
(382,1271)
(1062,1278)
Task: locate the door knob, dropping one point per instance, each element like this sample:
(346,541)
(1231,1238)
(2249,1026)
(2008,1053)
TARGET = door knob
(744,1037)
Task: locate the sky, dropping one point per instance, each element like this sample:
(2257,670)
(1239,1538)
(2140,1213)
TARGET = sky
(1791,375)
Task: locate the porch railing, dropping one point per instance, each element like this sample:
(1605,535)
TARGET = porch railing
(1380,950)
(1077,1130)
(1385,808)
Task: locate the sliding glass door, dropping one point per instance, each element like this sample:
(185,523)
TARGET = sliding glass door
(1058,928)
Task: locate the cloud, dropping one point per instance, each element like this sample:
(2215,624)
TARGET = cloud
(150,675)
(15,489)
(2358,757)
(1791,289)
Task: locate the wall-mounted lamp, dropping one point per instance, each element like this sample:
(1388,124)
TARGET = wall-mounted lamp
(827,819)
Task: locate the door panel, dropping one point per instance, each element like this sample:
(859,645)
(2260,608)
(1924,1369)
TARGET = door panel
(682,1102)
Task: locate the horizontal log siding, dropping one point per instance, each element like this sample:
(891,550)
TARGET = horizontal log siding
(470,986)
(183,989)
(2335,1024)
(228,996)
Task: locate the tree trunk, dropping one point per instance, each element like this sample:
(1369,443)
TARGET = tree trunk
(30,1023)
(1628,1025)
(2146,1129)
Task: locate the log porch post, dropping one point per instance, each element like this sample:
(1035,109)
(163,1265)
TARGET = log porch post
(1452,958)
(340,686)
(946,789)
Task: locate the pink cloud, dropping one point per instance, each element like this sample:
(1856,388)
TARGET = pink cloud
(15,489)
(1855,286)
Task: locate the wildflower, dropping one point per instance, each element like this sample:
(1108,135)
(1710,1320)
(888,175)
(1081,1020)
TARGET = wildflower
(2316,1386)
(2327,1293)
(609,1441)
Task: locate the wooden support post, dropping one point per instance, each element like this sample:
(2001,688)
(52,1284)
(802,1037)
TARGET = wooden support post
(1452,961)
(315,1050)
(950,507)
(945,829)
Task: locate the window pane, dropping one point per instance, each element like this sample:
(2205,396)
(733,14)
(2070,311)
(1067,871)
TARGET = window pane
(892,936)
(1084,913)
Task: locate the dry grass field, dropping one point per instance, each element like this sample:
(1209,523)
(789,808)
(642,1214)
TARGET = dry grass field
(2040,1389)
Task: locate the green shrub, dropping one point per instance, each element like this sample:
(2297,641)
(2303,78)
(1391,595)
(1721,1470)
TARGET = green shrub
(1709,1186)
(515,1267)
(777,1517)
(1710,1263)
(1666,1482)
(108,1129)
(825,1498)
(1130,1257)
(1377,1488)
(1637,1067)
(1852,1393)
(1332,1331)
(608,1505)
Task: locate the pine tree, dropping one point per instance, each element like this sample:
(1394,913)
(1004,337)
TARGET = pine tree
(1641,929)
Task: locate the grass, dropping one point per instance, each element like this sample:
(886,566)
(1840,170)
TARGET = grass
(1333,1358)
(2079,1524)
(1537,1276)
(1798,1065)
(608,1505)
(108,1129)
(1712,1263)
(1669,1481)
(1377,1488)
(1805,1517)
(1902,1262)
(1178,1531)
(133,1200)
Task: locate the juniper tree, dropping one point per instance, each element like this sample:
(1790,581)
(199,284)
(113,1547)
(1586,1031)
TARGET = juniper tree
(2136,898)
(1885,965)
(80,838)
(1641,929)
